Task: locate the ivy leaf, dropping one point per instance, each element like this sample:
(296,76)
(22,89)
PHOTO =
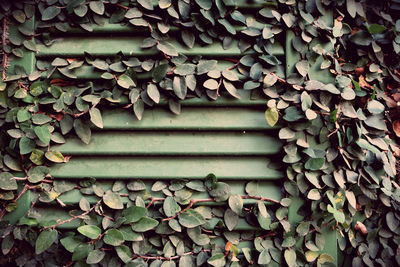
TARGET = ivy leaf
(231,219)
(303,67)
(272,116)
(124,253)
(211,84)
(95,256)
(191,219)
(217,260)
(82,130)
(315,163)
(113,200)
(167,48)
(23,115)
(43,133)
(179,86)
(90,231)
(290,257)
(97,7)
(153,93)
(188,38)
(159,72)
(170,206)
(95,117)
(147,4)
(50,13)
(125,81)
(236,203)
(144,224)
(205,4)
(7,181)
(113,237)
(55,156)
(45,239)
(134,214)
(138,108)
(26,145)
(263,217)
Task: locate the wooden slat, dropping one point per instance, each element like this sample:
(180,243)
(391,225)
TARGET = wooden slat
(173,143)
(130,46)
(233,168)
(194,118)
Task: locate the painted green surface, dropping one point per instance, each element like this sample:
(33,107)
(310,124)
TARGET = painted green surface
(173,143)
(194,118)
(131,46)
(241,168)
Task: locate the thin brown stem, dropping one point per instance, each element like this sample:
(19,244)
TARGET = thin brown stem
(72,218)
(4,42)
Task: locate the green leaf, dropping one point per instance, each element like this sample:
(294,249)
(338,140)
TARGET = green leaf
(179,86)
(376,28)
(375,107)
(50,13)
(205,66)
(311,255)
(188,38)
(392,222)
(23,115)
(144,224)
(303,228)
(70,243)
(236,203)
(90,231)
(270,79)
(185,69)
(159,72)
(221,191)
(147,4)
(217,260)
(113,237)
(228,26)
(124,253)
(191,219)
(167,48)
(125,81)
(97,7)
(43,133)
(55,156)
(7,181)
(263,217)
(82,130)
(361,38)
(231,219)
(95,117)
(95,256)
(153,93)
(290,257)
(205,4)
(170,206)
(264,258)
(113,200)
(211,84)
(303,67)
(138,109)
(37,174)
(314,194)
(314,164)
(45,239)
(134,214)
(26,145)
(231,89)
(272,116)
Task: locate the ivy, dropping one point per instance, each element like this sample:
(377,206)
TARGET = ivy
(337,105)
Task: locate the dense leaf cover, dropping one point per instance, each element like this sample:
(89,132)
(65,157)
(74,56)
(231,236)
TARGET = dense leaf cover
(339,133)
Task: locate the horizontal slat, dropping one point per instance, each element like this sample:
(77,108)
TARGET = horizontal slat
(51,214)
(233,168)
(173,143)
(267,189)
(130,46)
(194,118)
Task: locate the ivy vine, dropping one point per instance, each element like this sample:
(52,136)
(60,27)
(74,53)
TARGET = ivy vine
(339,129)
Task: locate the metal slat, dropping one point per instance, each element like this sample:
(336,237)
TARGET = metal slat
(173,143)
(131,46)
(194,118)
(233,168)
